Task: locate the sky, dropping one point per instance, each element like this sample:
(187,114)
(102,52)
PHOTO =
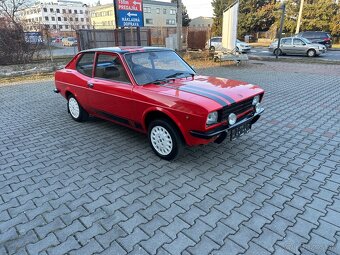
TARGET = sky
(195,8)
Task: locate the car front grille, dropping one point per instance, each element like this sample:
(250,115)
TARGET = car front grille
(237,108)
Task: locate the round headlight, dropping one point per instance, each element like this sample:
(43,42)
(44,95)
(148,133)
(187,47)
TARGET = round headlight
(232,119)
(256,100)
(212,118)
(258,107)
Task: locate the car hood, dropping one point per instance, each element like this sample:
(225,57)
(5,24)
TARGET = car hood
(206,89)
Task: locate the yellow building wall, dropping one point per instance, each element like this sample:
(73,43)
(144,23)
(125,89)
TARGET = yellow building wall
(103,17)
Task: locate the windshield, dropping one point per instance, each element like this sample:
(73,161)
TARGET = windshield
(157,66)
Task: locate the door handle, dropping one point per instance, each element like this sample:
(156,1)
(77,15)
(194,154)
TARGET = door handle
(90,85)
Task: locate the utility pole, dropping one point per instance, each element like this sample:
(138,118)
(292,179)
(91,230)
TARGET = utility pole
(283,8)
(299,18)
(179,25)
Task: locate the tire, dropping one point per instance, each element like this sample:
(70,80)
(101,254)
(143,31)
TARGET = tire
(212,48)
(76,111)
(165,139)
(311,53)
(279,51)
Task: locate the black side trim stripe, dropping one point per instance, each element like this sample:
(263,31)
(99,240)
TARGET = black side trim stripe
(114,117)
(201,93)
(213,92)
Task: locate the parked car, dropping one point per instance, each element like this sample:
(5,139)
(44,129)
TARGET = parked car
(216,44)
(57,40)
(34,38)
(317,37)
(297,46)
(69,41)
(154,91)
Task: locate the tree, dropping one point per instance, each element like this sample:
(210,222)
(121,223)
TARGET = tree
(254,15)
(185,16)
(335,23)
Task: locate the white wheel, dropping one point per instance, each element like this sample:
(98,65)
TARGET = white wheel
(76,111)
(161,140)
(74,107)
(165,139)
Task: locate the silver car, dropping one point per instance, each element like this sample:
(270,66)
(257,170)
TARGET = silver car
(297,46)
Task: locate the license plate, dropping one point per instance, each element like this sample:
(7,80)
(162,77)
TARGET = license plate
(239,131)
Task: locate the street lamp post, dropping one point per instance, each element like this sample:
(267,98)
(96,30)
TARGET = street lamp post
(283,8)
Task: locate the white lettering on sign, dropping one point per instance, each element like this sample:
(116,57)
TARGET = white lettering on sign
(123,2)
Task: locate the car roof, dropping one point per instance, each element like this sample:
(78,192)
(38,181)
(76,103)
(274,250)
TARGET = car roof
(127,49)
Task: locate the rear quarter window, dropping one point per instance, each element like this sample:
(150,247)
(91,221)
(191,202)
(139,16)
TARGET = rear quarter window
(85,64)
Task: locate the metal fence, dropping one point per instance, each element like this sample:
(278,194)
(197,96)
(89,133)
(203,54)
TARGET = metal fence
(192,38)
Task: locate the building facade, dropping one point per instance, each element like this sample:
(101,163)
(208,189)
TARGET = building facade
(103,17)
(59,16)
(159,14)
(156,14)
(201,22)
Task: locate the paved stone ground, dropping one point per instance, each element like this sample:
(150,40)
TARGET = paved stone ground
(95,187)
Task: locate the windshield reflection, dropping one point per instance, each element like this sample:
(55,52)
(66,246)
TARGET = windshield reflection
(157,66)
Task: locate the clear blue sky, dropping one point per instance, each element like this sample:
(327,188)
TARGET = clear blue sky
(195,8)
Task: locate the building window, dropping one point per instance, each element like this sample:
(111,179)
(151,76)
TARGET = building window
(76,19)
(87,20)
(82,19)
(59,18)
(53,18)
(82,26)
(45,9)
(54,26)
(149,21)
(65,19)
(147,9)
(75,12)
(46,18)
(60,27)
(172,12)
(158,11)
(58,11)
(69,11)
(170,22)
(51,9)
(164,11)
(86,12)
(81,11)
(66,26)
(71,19)
(64,11)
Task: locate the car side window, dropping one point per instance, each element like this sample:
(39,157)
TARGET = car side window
(85,64)
(286,41)
(219,40)
(298,42)
(110,67)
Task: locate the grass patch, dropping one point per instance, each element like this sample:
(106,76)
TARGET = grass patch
(26,78)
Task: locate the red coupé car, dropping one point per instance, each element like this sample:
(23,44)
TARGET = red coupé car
(154,91)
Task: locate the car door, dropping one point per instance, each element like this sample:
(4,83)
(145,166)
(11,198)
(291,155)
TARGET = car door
(299,47)
(286,45)
(110,89)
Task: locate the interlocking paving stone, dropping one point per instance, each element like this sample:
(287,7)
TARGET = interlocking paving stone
(97,188)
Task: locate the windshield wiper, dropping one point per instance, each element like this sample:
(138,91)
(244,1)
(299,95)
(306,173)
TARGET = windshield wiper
(158,81)
(178,74)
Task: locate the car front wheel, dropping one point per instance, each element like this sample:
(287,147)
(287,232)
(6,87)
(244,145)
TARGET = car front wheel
(311,53)
(164,139)
(76,111)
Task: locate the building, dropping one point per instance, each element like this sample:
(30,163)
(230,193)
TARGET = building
(59,16)
(103,17)
(201,22)
(159,14)
(156,14)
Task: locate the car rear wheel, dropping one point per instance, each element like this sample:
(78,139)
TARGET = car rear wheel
(278,51)
(165,139)
(311,53)
(76,111)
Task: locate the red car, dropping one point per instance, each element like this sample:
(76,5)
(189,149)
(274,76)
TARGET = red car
(154,91)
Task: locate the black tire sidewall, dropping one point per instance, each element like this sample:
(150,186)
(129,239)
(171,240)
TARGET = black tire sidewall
(175,136)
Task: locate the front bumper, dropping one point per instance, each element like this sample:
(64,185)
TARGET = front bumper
(225,128)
